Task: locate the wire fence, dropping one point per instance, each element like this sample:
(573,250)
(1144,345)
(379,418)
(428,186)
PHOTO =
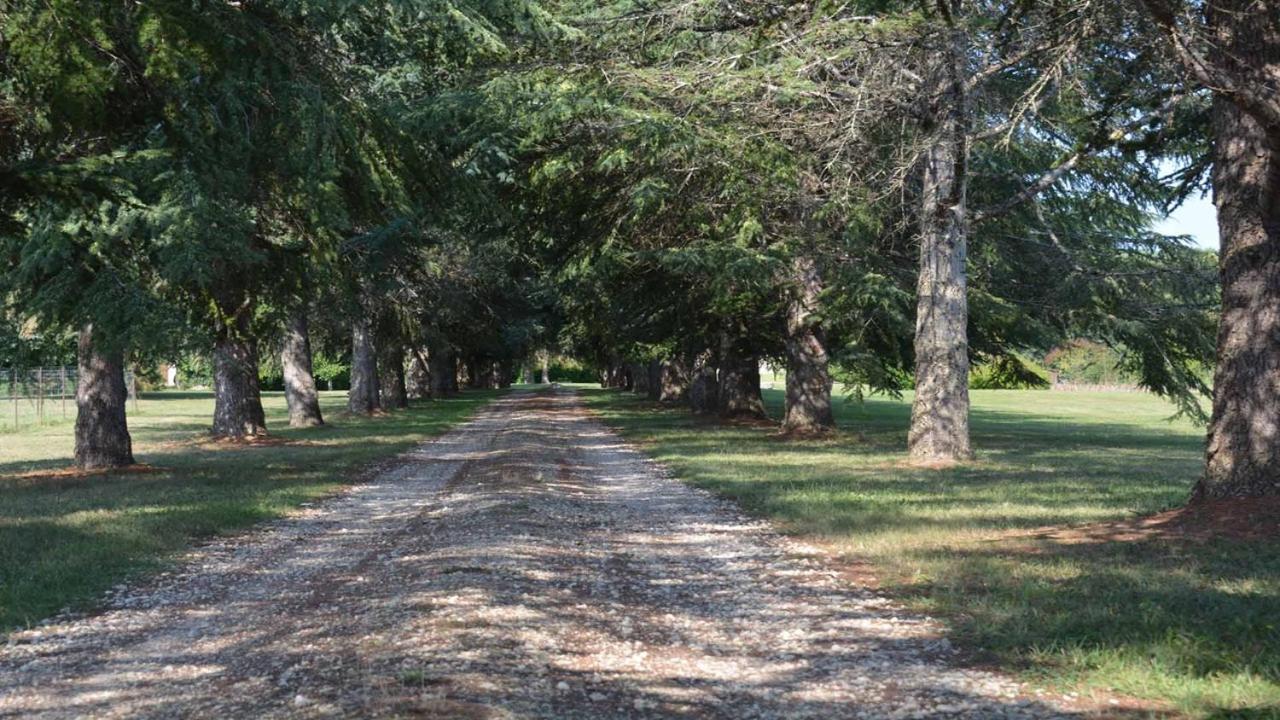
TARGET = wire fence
(41,395)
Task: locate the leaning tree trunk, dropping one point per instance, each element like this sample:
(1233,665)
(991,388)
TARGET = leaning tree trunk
(654,387)
(703,386)
(940,411)
(673,383)
(102,432)
(418,381)
(363,398)
(808,374)
(391,384)
(299,384)
(1243,451)
(237,409)
(739,389)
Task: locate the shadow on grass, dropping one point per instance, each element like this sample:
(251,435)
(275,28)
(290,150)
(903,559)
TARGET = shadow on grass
(66,540)
(1193,615)
(1195,624)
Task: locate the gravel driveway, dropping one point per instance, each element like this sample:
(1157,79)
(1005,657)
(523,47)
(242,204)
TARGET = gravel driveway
(526,564)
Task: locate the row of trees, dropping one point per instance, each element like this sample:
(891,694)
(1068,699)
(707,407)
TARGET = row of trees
(226,177)
(871,191)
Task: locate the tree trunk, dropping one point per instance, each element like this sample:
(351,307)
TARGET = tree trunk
(940,412)
(418,382)
(703,387)
(362,398)
(808,375)
(1243,451)
(102,432)
(739,389)
(527,375)
(673,385)
(299,384)
(639,378)
(546,368)
(444,371)
(391,384)
(237,409)
(654,388)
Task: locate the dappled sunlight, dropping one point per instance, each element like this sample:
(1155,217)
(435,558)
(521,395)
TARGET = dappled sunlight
(1187,619)
(529,562)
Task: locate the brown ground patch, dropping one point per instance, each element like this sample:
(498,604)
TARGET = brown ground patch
(263,440)
(1235,519)
(67,474)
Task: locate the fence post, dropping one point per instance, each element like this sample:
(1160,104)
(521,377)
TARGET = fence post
(13,394)
(62,389)
(40,395)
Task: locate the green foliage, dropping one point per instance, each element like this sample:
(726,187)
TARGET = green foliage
(1087,362)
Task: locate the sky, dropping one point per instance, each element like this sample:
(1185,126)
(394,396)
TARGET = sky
(1198,218)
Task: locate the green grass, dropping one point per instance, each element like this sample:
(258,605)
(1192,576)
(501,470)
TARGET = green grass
(64,541)
(1194,627)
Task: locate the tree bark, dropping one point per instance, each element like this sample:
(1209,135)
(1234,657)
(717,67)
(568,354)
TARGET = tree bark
(674,381)
(363,397)
(237,409)
(299,384)
(444,371)
(808,373)
(654,388)
(639,378)
(527,375)
(418,382)
(546,368)
(102,431)
(391,383)
(940,411)
(1243,450)
(739,388)
(703,386)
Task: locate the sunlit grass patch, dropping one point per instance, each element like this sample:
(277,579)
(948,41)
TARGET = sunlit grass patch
(63,541)
(1194,624)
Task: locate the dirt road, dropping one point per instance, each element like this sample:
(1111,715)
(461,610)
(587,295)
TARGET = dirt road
(526,564)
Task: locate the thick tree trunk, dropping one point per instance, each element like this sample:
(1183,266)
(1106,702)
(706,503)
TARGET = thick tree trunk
(703,386)
(739,388)
(391,383)
(418,382)
(940,412)
(506,373)
(527,375)
(444,371)
(673,385)
(808,375)
(363,397)
(639,378)
(546,368)
(102,432)
(299,384)
(237,409)
(654,389)
(1243,451)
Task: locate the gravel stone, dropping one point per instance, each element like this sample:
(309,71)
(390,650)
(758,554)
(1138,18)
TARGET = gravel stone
(527,564)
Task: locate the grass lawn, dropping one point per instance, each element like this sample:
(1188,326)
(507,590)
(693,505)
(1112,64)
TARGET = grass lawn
(63,541)
(1194,626)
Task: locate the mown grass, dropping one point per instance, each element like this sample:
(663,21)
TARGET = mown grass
(1192,626)
(63,541)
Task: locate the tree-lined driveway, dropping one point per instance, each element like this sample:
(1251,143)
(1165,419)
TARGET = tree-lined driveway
(526,564)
